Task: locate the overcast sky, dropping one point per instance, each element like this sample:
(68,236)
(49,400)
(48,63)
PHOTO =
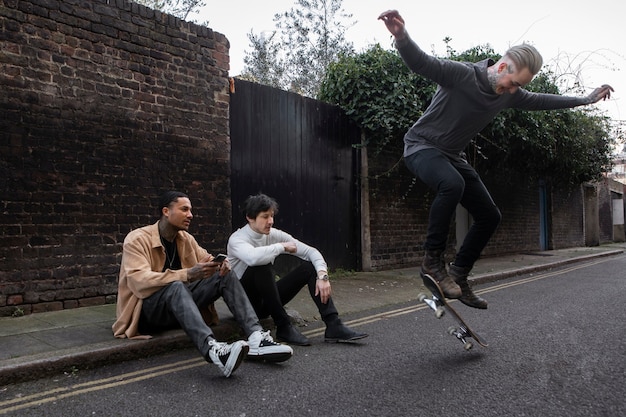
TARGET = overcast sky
(586,35)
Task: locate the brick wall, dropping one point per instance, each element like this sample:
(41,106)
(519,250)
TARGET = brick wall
(398,212)
(103,105)
(399,215)
(605,203)
(519,203)
(568,225)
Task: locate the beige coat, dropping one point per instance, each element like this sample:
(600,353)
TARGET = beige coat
(143,258)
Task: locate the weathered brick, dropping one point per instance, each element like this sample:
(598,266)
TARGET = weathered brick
(45,307)
(13,300)
(91,301)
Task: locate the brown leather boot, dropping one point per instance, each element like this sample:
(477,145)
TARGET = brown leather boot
(435,266)
(467,297)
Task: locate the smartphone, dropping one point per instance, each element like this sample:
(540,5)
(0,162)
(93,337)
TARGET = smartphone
(219,258)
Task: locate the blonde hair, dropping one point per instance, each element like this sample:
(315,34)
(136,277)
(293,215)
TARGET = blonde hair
(525,56)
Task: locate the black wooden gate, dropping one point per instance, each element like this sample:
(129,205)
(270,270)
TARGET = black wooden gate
(298,151)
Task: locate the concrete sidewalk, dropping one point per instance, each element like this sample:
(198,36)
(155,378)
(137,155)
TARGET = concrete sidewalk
(44,344)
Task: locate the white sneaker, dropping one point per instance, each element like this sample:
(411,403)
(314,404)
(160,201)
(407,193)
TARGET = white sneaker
(226,356)
(263,347)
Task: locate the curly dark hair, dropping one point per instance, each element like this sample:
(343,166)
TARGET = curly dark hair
(256,204)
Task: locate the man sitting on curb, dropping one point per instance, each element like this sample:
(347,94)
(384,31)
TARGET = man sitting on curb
(252,250)
(166,278)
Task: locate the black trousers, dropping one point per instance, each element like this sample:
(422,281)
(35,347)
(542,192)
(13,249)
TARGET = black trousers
(455,182)
(269,296)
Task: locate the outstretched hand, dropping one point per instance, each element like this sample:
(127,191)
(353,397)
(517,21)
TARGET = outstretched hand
(600,93)
(394,23)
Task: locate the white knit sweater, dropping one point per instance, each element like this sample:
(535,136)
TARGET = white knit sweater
(249,248)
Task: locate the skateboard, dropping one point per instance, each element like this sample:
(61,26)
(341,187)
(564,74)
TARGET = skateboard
(437,302)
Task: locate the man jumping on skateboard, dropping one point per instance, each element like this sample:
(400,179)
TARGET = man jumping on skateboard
(468,97)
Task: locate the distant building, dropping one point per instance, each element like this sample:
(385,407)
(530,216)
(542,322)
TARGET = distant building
(618,173)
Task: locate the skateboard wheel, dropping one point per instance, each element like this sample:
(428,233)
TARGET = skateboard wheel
(451,330)
(468,346)
(440,312)
(421,297)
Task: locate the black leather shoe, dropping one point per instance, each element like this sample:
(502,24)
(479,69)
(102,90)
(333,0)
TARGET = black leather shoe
(339,333)
(468,297)
(291,335)
(434,265)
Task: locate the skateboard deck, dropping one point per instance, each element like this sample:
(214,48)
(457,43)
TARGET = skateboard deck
(437,302)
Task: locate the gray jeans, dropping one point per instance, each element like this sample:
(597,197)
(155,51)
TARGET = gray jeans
(178,304)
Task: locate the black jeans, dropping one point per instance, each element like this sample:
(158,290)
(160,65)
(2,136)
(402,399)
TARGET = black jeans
(177,305)
(455,182)
(268,296)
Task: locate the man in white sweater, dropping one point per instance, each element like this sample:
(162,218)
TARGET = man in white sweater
(251,252)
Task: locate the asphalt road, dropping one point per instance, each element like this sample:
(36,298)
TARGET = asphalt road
(556,348)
